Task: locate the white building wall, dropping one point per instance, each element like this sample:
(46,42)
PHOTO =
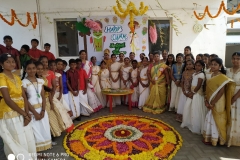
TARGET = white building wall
(211,40)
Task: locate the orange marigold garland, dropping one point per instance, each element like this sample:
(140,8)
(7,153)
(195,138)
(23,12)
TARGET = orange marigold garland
(123,137)
(14,17)
(222,7)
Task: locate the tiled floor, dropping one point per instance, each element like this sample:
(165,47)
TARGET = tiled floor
(192,149)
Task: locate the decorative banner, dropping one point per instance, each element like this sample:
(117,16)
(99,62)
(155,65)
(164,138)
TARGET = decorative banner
(222,7)
(116,36)
(15,18)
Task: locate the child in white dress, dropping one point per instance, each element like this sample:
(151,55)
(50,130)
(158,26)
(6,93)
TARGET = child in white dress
(143,84)
(234,74)
(176,76)
(104,80)
(95,80)
(134,83)
(194,112)
(114,70)
(58,100)
(186,87)
(35,93)
(125,77)
(15,122)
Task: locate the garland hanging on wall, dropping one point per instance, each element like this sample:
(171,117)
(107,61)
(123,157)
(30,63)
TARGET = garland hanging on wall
(131,11)
(233,21)
(14,17)
(222,7)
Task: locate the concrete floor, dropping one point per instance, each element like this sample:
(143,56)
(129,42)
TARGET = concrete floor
(192,149)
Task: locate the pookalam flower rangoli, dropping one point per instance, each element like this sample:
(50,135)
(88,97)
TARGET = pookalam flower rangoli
(120,137)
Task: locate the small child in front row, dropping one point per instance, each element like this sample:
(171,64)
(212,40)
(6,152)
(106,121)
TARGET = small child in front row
(104,81)
(176,76)
(65,86)
(60,69)
(73,93)
(143,83)
(134,83)
(58,101)
(85,108)
(125,77)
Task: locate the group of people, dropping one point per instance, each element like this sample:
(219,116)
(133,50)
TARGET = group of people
(46,99)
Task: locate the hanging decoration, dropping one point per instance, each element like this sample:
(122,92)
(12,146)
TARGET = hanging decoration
(83,30)
(131,11)
(153,33)
(93,25)
(232,21)
(14,17)
(222,7)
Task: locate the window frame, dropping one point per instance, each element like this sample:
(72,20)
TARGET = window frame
(56,37)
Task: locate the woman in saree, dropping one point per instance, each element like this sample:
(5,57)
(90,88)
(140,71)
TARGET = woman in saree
(234,128)
(93,101)
(114,70)
(219,91)
(95,80)
(158,75)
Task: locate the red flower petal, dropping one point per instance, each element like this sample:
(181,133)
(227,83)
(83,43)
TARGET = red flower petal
(107,124)
(119,122)
(94,137)
(151,130)
(139,126)
(131,123)
(150,138)
(94,130)
(104,143)
(140,144)
(122,147)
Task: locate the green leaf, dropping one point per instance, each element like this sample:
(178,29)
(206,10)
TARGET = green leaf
(81,27)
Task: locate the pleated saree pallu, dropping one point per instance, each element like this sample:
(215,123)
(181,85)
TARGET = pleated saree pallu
(157,99)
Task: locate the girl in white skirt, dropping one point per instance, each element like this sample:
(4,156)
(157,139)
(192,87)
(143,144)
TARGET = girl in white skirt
(194,112)
(55,120)
(58,100)
(104,79)
(234,74)
(125,77)
(114,70)
(15,127)
(186,88)
(143,84)
(40,123)
(134,83)
(176,76)
(95,80)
